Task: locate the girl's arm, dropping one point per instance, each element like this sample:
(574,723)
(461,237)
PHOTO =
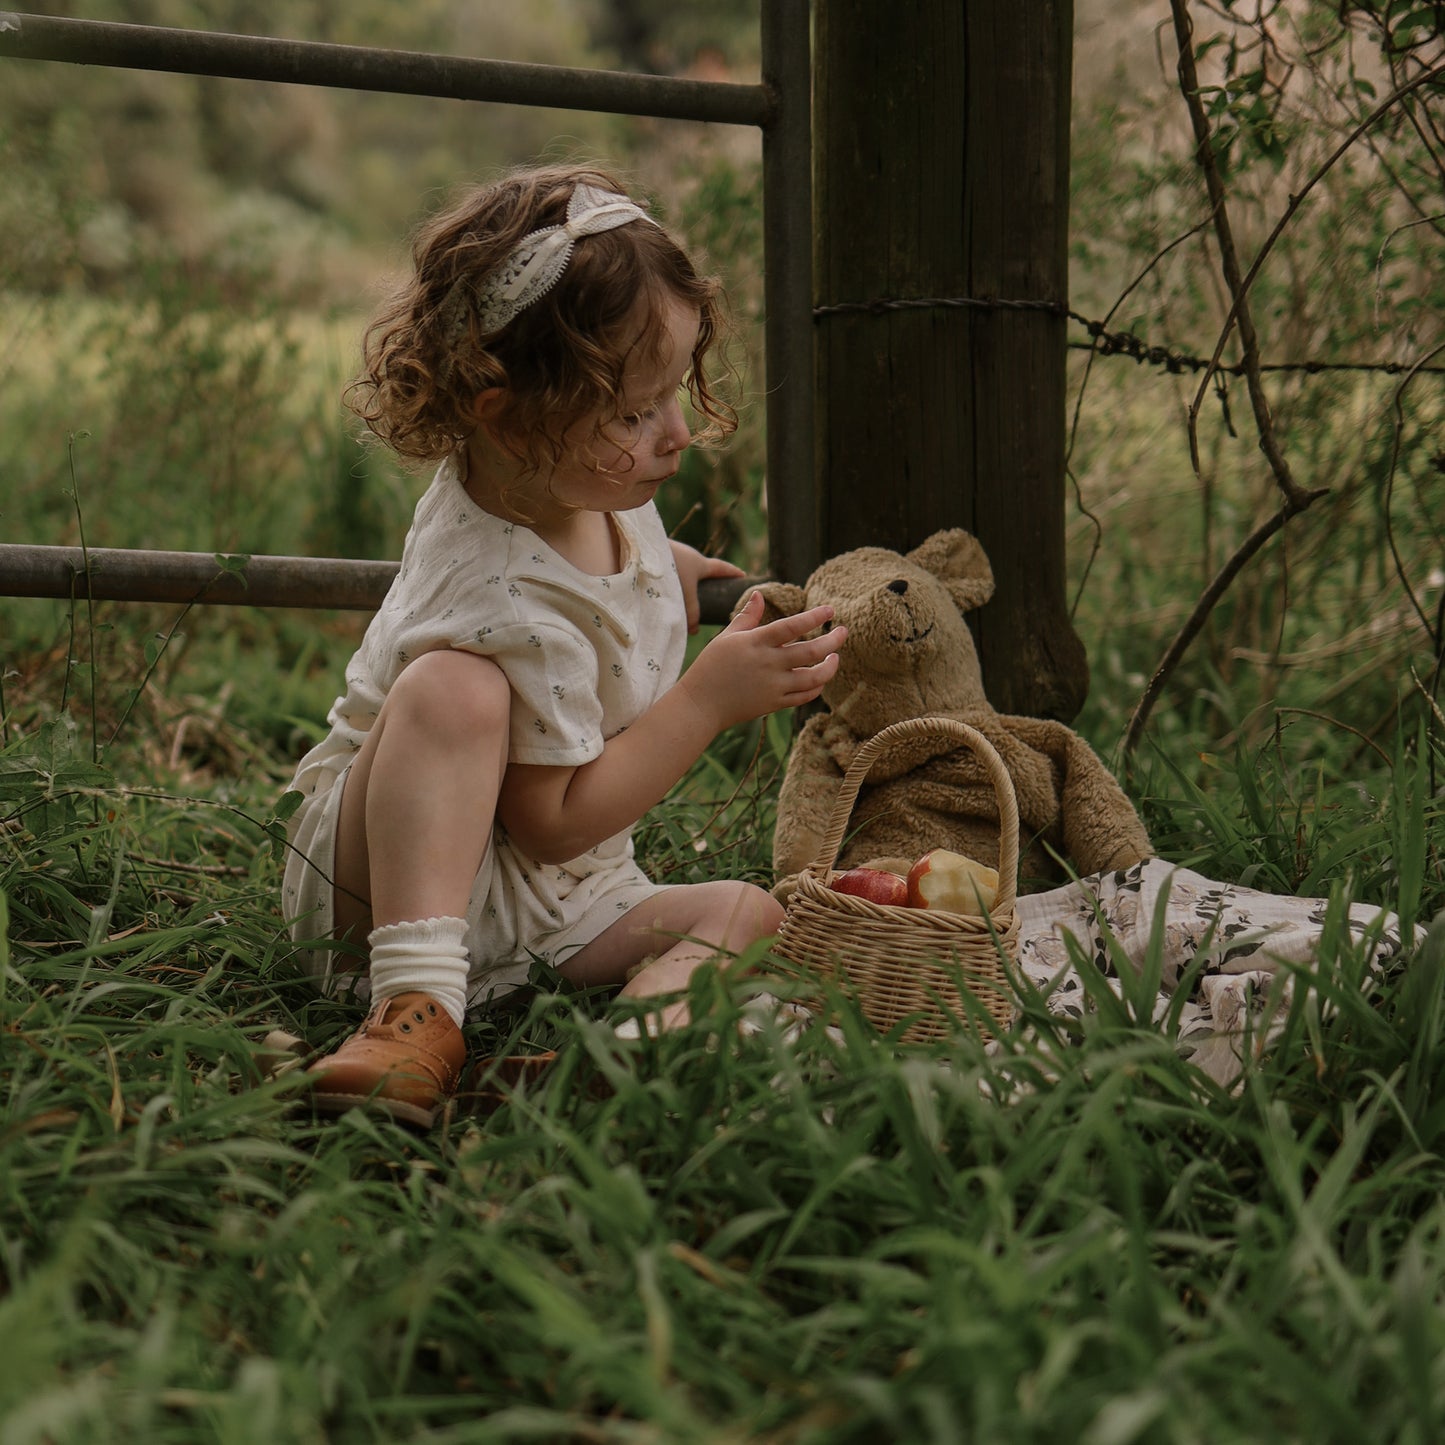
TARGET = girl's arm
(692,567)
(745,672)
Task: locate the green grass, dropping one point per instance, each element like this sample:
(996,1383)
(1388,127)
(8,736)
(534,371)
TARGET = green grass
(703,1237)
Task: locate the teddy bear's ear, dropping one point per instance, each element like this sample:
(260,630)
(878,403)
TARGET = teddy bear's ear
(780,599)
(959,562)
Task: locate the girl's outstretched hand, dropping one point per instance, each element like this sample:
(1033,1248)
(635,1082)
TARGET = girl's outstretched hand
(692,568)
(752,668)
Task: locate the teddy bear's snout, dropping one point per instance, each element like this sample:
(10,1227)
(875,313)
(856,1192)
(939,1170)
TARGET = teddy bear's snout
(900,613)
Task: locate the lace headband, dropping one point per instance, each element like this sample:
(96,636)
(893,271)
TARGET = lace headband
(537,263)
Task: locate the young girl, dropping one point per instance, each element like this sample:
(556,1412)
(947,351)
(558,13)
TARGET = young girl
(515,706)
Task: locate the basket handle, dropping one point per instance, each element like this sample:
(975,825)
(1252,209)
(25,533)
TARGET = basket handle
(867,755)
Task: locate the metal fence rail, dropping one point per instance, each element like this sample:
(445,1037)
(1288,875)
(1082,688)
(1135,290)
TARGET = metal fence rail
(779,107)
(397,72)
(117,574)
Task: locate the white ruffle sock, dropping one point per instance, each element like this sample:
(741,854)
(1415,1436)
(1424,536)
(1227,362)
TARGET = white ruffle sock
(425,956)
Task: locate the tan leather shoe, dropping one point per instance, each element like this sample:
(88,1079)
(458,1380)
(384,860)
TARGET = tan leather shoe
(405,1060)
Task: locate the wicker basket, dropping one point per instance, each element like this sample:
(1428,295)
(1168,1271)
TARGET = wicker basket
(910,963)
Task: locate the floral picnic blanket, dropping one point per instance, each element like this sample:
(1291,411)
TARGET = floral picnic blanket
(1231,946)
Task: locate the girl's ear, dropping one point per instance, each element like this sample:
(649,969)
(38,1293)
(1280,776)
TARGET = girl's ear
(488,408)
(492,408)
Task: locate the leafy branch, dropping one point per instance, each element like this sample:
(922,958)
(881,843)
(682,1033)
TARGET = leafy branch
(1296,498)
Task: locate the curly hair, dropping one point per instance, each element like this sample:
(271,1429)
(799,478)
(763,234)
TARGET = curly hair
(560,361)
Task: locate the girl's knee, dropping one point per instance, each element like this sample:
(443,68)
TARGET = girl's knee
(757,912)
(450,691)
(772,912)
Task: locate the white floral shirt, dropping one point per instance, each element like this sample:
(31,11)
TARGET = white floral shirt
(585,656)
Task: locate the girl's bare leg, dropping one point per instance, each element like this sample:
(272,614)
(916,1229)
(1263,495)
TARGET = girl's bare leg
(415,824)
(416,816)
(673,934)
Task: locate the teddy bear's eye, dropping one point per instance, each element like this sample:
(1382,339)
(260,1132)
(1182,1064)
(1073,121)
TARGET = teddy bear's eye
(828,626)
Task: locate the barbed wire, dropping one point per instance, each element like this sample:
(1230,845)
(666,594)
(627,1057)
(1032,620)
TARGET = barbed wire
(1104,342)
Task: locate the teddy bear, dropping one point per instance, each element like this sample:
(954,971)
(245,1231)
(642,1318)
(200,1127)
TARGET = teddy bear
(910,654)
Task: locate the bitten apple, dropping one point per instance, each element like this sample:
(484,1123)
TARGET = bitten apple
(952,882)
(874,884)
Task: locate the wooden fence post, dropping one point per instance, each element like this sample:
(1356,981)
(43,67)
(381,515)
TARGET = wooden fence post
(941,171)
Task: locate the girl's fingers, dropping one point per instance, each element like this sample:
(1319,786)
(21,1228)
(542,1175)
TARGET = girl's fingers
(808,662)
(815,649)
(799,695)
(805,683)
(790,629)
(821,670)
(750,614)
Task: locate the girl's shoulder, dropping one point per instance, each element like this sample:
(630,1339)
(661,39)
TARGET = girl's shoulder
(446,517)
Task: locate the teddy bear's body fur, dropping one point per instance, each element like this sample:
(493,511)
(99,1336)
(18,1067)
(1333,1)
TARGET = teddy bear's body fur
(910,654)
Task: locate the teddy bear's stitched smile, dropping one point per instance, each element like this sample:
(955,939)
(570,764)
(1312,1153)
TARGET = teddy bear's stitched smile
(914,636)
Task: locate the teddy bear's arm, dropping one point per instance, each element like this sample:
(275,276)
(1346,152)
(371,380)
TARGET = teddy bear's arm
(805,801)
(1100,829)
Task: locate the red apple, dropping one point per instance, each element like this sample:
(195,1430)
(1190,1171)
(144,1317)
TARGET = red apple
(873,884)
(952,882)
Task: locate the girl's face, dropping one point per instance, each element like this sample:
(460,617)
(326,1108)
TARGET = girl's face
(623,465)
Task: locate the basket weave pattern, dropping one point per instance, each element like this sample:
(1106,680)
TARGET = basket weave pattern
(909,963)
